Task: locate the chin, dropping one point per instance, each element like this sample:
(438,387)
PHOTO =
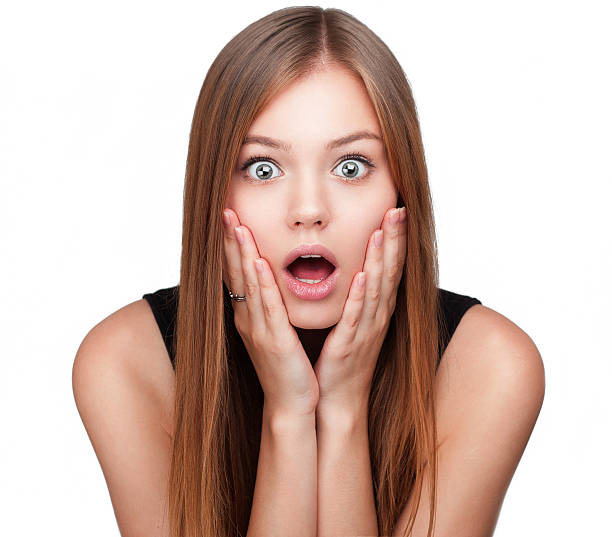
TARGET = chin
(312,322)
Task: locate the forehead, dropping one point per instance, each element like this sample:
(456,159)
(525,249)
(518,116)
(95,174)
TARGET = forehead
(324,105)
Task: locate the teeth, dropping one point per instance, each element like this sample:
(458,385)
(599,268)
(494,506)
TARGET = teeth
(310,255)
(305,280)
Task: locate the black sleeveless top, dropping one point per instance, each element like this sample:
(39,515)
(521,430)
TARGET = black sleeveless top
(164,304)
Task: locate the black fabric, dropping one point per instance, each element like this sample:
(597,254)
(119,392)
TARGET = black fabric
(164,304)
(452,307)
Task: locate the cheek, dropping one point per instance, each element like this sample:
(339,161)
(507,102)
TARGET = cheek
(267,244)
(248,209)
(358,231)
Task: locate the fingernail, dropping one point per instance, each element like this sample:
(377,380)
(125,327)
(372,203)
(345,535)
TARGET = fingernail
(395,213)
(378,238)
(226,218)
(259,265)
(403,214)
(239,235)
(361,279)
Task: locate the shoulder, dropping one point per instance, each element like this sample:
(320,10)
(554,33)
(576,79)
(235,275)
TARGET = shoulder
(127,347)
(490,362)
(122,384)
(488,394)
(489,390)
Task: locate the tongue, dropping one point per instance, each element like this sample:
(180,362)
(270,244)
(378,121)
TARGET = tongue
(313,268)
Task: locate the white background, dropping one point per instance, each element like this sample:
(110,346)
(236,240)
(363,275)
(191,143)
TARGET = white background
(96,101)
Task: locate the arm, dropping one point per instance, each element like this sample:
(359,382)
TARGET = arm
(285,496)
(121,380)
(489,391)
(345,491)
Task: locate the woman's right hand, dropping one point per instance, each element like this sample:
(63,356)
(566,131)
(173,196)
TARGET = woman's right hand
(286,376)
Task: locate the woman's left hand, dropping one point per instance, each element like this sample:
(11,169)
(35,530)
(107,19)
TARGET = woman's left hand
(345,367)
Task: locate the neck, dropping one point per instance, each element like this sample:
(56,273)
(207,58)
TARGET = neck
(312,341)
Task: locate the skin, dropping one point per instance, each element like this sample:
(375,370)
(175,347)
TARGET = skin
(306,199)
(485,408)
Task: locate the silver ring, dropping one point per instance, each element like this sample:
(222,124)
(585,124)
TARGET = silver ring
(236,297)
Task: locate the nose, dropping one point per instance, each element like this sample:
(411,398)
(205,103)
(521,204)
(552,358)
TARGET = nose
(308,206)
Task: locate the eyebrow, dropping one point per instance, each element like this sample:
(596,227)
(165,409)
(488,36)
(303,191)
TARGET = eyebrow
(333,144)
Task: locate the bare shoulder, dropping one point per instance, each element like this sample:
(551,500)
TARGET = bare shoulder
(489,391)
(129,342)
(488,357)
(123,385)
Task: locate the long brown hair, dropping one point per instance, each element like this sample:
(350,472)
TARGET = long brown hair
(219,401)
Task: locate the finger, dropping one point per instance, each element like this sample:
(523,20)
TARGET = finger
(248,253)
(346,329)
(374,267)
(395,239)
(233,277)
(273,306)
(402,243)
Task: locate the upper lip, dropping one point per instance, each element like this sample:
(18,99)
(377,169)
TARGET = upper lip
(305,249)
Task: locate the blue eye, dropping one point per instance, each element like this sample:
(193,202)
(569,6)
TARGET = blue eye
(353,167)
(260,169)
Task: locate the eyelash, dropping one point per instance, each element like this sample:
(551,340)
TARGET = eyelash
(348,156)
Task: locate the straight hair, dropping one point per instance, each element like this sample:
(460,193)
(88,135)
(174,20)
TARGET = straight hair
(219,400)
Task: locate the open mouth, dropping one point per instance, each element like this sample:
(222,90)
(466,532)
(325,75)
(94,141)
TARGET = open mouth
(311,268)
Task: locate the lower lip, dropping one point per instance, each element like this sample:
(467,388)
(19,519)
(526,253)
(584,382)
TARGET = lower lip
(311,291)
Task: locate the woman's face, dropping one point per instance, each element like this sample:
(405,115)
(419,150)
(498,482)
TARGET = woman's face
(305,191)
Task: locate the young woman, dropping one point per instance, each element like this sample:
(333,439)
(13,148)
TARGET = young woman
(307,376)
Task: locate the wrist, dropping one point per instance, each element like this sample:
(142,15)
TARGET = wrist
(281,418)
(340,417)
